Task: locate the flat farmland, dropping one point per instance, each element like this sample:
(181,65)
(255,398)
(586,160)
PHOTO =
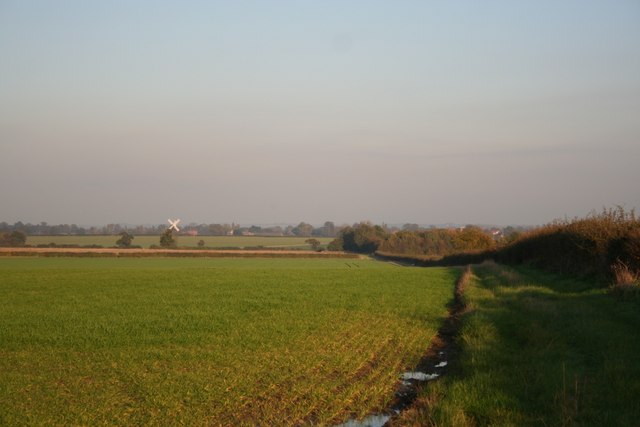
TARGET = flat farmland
(284,242)
(210,341)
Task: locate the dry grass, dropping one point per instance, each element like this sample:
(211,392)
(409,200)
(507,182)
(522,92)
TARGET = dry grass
(626,282)
(623,275)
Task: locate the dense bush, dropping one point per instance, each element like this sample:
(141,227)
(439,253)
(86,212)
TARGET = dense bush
(167,241)
(437,242)
(584,247)
(125,240)
(13,239)
(602,245)
(368,238)
(362,238)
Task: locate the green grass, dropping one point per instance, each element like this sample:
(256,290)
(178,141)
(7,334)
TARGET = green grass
(537,349)
(192,241)
(209,341)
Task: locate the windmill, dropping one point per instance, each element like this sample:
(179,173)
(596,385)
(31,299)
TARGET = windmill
(174,224)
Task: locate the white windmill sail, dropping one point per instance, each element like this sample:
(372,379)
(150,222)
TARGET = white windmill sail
(174,224)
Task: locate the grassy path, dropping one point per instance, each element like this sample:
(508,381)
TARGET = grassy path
(538,350)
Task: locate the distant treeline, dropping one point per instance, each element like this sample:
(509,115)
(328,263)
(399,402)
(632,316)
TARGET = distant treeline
(303,229)
(600,245)
(182,254)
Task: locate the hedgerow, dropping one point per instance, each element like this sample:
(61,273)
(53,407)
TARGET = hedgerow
(588,247)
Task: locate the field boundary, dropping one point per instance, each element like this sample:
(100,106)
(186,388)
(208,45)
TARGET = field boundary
(186,253)
(440,354)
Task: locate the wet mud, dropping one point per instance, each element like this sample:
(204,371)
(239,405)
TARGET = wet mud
(435,363)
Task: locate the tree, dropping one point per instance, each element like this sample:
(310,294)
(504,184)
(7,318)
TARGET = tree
(315,243)
(303,230)
(336,245)
(472,238)
(15,238)
(167,240)
(330,229)
(255,229)
(125,240)
(363,237)
(410,227)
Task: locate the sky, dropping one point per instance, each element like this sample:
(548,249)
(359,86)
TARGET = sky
(263,112)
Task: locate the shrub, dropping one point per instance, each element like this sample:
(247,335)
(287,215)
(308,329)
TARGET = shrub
(362,238)
(14,239)
(315,244)
(583,247)
(623,275)
(167,241)
(626,282)
(438,242)
(125,240)
(335,245)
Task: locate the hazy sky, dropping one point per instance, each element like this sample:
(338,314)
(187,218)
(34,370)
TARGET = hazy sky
(497,112)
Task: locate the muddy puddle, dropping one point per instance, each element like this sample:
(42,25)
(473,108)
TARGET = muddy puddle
(404,395)
(370,421)
(419,376)
(432,365)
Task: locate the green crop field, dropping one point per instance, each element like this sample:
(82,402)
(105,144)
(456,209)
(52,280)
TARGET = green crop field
(191,241)
(209,341)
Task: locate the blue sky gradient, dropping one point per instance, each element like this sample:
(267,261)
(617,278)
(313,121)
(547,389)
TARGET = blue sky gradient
(285,111)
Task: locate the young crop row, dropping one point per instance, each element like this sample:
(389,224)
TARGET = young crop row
(209,341)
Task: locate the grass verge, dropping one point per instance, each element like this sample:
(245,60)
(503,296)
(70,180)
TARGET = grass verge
(537,349)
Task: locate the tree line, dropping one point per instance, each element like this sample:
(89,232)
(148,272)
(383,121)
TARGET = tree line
(362,237)
(303,229)
(366,237)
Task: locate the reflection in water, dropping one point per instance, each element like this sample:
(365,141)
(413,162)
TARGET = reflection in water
(370,421)
(378,420)
(418,376)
